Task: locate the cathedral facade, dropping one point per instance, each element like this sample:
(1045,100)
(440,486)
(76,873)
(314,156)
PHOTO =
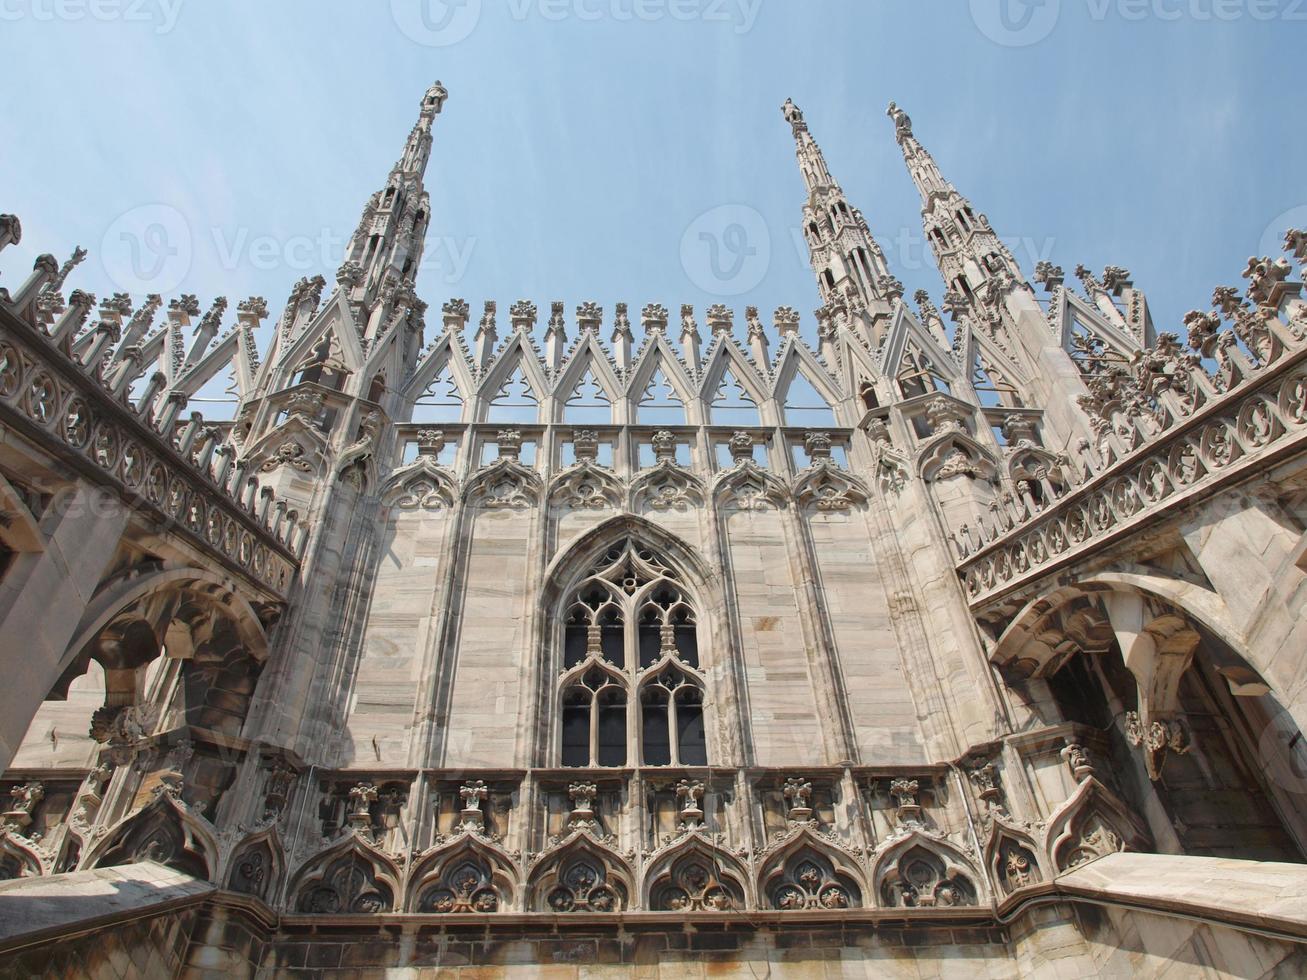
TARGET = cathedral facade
(969,640)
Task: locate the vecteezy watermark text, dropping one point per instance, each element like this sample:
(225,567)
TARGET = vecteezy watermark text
(1021,23)
(440,23)
(160,14)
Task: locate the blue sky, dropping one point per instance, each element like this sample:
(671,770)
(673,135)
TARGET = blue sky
(588,145)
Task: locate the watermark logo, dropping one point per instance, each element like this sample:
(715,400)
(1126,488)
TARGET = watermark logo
(147,249)
(436,23)
(1016,23)
(160,14)
(727,251)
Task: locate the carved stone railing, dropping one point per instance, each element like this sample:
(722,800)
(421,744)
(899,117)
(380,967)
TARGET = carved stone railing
(1162,444)
(64,404)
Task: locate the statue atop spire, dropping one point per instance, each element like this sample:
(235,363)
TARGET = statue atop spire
(435,98)
(902,121)
(794,116)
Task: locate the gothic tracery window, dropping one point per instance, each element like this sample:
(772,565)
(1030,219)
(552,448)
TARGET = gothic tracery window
(631,689)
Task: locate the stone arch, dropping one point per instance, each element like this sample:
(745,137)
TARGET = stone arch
(807,872)
(666,486)
(193,616)
(750,487)
(17,859)
(954,453)
(921,871)
(586,486)
(826,487)
(694,876)
(257,865)
(580,876)
(144,582)
(1094,822)
(504,483)
(162,832)
(348,878)
(421,485)
(467,875)
(1013,859)
(569,567)
(1204,605)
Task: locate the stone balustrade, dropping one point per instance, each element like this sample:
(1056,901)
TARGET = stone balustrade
(1168,430)
(67,403)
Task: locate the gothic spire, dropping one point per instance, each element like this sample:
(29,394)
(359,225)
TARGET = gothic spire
(847,260)
(968,252)
(385,251)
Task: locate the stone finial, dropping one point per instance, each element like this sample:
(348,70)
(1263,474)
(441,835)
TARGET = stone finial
(1049,276)
(798,799)
(688,795)
(361,798)
(1078,760)
(470,817)
(349,275)
(305,404)
(817,445)
(556,321)
(11,230)
(523,315)
(22,801)
(276,790)
(786,319)
(1264,275)
(1295,242)
(1115,279)
(945,415)
(753,324)
(741,447)
(509,442)
(654,318)
(582,813)
(1092,286)
(621,320)
(721,321)
(878,431)
(908,810)
(184,306)
(984,778)
(589,316)
(664,446)
(1018,428)
(1226,299)
(254,308)
(585,443)
(430,442)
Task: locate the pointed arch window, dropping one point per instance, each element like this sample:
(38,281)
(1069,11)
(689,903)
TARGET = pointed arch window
(660,404)
(733,405)
(1093,356)
(631,689)
(588,403)
(918,375)
(441,401)
(516,401)
(325,366)
(991,388)
(804,405)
